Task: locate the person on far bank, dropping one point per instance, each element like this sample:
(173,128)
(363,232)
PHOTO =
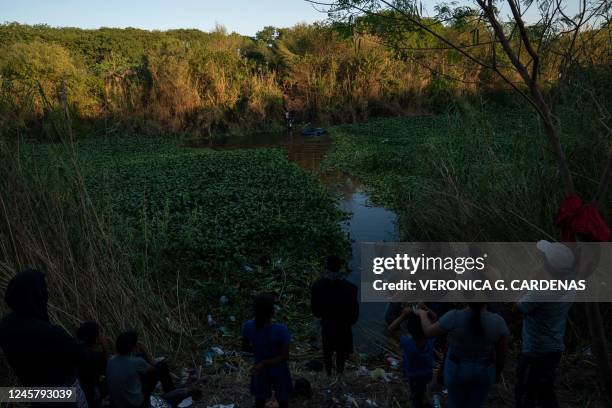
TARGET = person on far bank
(543,333)
(334,301)
(269,342)
(418,356)
(478,341)
(40,353)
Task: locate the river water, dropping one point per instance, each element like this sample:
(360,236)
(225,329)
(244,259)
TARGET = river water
(367,222)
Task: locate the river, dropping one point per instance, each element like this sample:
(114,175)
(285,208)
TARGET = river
(367,222)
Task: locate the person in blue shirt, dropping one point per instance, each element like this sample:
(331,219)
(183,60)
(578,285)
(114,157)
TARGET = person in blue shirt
(418,356)
(476,354)
(269,343)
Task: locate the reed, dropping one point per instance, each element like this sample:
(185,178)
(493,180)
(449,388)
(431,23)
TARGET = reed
(60,231)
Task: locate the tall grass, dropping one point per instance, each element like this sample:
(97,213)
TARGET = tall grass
(478,175)
(48,221)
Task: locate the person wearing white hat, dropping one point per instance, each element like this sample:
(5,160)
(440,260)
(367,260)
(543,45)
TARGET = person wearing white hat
(543,332)
(558,257)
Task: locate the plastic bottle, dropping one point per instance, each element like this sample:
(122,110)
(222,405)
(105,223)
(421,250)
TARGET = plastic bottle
(436,401)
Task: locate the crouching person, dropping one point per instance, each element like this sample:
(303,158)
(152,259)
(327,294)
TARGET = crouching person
(269,342)
(132,377)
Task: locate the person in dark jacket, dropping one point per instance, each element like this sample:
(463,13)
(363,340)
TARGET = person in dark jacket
(334,301)
(41,354)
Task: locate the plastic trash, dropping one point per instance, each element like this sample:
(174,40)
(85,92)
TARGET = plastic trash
(436,401)
(190,371)
(363,370)
(224,331)
(371,403)
(388,377)
(210,320)
(157,402)
(393,362)
(350,401)
(232,318)
(248,269)
(377,374)
(217,350)
(223,300)
(187,402)
(186,375)
(209,357)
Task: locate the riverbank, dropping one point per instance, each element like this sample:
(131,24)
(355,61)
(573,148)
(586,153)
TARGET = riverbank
(482,175)
(190,235)
(201,230)
(374,382)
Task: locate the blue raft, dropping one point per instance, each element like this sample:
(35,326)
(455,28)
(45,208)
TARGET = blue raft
(313,131)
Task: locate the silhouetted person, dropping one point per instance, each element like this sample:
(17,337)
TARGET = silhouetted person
(131,376)
(92,366)
(477,348)
(543,333)
(334,301)
(40,353)
(269,343)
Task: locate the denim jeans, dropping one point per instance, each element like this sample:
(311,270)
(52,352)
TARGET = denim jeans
(468,380)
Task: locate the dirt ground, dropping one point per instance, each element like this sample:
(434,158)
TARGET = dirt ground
(576,384)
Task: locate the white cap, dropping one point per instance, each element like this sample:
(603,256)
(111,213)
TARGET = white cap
(557,255)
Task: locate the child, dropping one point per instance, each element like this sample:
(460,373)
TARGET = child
(132,378)
(92,366)
(418,359)
(269,342)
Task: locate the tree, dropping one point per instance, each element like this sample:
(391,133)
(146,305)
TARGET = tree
(527,57)
(268,36)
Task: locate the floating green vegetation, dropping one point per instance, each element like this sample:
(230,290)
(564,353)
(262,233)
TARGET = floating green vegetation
(472,176)
(216,226)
